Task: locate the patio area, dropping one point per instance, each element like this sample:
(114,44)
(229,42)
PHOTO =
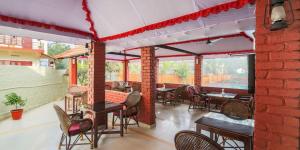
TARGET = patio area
(39,129)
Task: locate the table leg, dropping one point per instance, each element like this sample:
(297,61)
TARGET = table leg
(73,104)
(95,134)
(66,104)
(121,123)
(248,144)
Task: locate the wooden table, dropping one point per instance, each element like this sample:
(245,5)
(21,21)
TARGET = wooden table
(218,98)
(164,92)
(100,122)
(219,124)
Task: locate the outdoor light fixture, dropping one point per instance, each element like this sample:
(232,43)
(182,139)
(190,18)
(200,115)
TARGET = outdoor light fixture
(208,42)
(278,14)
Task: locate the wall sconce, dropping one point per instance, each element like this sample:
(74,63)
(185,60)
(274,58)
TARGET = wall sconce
(278,14)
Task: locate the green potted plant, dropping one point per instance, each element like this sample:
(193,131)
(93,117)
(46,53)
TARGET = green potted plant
(13,99)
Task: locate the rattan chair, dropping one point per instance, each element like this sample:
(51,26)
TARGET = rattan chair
(190,140)
(73,126)
(236,109)
(178,96)
(196,100)
(136,86)
(131,110)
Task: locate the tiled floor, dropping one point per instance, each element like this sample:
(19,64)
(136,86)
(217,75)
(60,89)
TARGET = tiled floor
(39,130)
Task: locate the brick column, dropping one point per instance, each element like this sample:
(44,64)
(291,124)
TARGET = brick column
(147,111)
(197,73)
(97,73)
(125,69)
(72,71)
(277,84)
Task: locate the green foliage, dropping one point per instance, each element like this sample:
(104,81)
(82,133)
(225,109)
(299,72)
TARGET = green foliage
(182,70)
(135,67)
(82,72)
(57,48)
(13,99)
(111,67)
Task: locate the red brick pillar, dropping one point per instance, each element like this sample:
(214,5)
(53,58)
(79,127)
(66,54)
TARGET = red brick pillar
(277,84)
(97,73)
(125,69)
(197,73)
(72,71)
(147,114)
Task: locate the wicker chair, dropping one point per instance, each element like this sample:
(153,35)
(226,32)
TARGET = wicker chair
(136,86)
(118,86)
(236,109)
(72,126)
(131,110)
(176,96)
(196,100)
(190,140)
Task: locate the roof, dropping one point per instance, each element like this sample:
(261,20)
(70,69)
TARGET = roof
(126,24)
(21,49)
(74,52)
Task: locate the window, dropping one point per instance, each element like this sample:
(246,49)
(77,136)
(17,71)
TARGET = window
(134,71)
(226,72)
(180,72)
(113,71)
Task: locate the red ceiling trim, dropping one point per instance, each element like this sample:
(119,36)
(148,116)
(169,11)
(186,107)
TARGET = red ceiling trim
(230,52)
(196,40)
(175,55)
(247,36)
(88,18)
(185,18)
(114,59)
(41,25)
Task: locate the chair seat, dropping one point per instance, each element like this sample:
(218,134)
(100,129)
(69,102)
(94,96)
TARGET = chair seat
(80,126)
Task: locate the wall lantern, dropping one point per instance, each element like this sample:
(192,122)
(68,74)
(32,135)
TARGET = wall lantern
(278,14)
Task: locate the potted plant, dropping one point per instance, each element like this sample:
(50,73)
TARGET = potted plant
(13,99)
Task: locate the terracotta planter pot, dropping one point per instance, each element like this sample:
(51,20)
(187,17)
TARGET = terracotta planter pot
(16,114)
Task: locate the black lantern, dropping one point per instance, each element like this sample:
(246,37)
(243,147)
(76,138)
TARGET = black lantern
(278,14)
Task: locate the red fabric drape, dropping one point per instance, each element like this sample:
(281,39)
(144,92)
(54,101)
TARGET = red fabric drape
(88,18)
(193,16)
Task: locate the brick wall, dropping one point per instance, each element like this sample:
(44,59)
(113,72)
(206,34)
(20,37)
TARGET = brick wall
(277,84)
(147,114)
(115,96)
(197,74)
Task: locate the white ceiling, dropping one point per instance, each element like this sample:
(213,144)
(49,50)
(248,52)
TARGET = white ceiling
(113,17)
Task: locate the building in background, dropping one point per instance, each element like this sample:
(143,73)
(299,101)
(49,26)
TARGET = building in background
(24,51)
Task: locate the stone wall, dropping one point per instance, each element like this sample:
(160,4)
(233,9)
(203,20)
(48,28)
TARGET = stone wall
(37,85)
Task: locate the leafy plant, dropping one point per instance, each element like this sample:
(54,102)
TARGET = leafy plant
(83,72)
(57,48)
(13,99)
(111,67)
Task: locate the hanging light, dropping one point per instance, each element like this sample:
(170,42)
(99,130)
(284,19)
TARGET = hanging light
(208,42)
(278,14)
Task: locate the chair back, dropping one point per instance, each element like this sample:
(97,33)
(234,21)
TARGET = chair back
(197,89)
(64,119)
(190,140)
(115,84)
(131,103)
(132,99)
(190,91)
(236,109)
(181,93)
(136,86)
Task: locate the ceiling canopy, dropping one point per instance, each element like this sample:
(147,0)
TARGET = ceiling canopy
(126,24)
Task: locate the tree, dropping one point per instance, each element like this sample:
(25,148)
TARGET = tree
(82,72)
(182,70)
(57,48)
(111,67)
